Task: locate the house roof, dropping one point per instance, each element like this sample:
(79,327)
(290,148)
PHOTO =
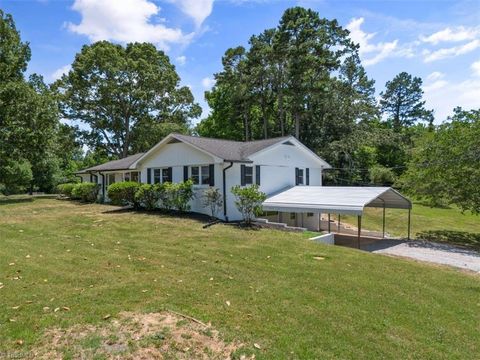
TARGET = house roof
(228,149)
(122,164)
(335,199)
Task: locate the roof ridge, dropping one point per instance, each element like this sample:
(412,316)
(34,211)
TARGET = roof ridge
(234,141)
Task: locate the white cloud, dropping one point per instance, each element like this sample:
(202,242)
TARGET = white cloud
(181,60)
(378,51)
(198,10)
(444,97)
(125,21)
(207,82)
(457,34)
(454,51)
(436,75)
(57,74)
(476,68)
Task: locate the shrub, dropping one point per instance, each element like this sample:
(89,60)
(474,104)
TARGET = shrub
(66,189)
(380,175)
(248,201)
(147,196)
(15,176)
(176,195)
(85,191)
(212,198)
(123,193)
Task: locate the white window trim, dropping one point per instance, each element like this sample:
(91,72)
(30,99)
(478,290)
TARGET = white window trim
(161,174)
(200,184)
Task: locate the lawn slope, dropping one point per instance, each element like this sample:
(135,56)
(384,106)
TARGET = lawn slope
(294,298)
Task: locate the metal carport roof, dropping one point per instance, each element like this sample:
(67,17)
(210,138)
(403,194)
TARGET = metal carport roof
(335,199)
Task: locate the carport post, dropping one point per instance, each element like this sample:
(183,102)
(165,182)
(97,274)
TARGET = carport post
(359,229)
(338,226)
(329,222)
(409,223)
(383,236)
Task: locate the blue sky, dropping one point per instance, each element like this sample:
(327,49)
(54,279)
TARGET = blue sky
(436,40)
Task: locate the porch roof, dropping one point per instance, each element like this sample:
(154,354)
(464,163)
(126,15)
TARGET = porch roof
(335,199)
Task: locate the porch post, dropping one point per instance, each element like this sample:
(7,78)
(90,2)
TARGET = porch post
(329,222)
(409,223)
(338,226)
(383,236)
(359,220)
(319,221)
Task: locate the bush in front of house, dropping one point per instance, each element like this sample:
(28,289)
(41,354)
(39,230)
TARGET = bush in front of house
(66,189)
(147,196)
(123,193)
(176,196)
(85,191)
(212,199)
(248,201)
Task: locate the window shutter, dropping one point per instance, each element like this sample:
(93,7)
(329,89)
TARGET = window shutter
(185,173)
(257,175)
(169,174)
(242,175)
(307,176)
(149,175)
(211,174)
(296,176)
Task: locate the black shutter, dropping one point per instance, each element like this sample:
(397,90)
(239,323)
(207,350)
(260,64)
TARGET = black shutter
(296,176)
(242,175)
(185,173)
(211,174)
(170,174)
(91,177)
(149,175)
(307,176)
(257,174)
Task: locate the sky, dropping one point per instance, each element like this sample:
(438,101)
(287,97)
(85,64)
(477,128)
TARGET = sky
(437,40)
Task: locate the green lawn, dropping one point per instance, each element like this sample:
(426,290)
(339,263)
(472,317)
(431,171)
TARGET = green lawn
(424,218)
(345,304)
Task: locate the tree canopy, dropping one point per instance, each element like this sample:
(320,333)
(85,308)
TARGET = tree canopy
(129,97)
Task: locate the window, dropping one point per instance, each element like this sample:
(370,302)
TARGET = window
(309,214)
(248,175)
(165,175)
(156,176)
(161,175)
(131,176)
(300,177)
(292,216)
(200,175)
(110,179)
(195,175)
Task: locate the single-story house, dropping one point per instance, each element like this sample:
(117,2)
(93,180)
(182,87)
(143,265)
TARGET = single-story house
(285,169)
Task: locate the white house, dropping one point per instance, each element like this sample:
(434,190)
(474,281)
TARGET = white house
(274,164)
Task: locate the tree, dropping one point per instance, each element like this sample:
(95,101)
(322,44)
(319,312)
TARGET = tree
(248,201)
(445,164)
(28,117)
(212,198)
(123,92)
(402,102)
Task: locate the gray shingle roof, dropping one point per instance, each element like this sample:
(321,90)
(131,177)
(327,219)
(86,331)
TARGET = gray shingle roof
(121,164)
(229,149)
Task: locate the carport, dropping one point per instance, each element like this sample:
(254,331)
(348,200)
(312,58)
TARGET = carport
(338,200)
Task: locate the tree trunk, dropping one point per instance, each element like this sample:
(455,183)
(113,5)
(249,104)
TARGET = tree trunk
(280,111)
(297,125)
(265,121)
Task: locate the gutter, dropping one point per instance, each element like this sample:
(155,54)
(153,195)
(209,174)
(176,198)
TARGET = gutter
(225,190)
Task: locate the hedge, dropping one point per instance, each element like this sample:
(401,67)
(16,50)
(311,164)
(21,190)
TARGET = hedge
(123,193)
(66,189)
(147,196)
(85,191)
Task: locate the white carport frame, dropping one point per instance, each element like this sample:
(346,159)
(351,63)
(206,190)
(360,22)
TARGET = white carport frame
(339,200)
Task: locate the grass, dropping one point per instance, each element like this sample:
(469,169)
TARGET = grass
(351,304)
(424,218)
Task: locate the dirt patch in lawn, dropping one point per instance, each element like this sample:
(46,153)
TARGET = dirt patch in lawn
(162,335)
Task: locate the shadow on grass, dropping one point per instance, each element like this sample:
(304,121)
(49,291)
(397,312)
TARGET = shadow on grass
(460,238)
(7,200)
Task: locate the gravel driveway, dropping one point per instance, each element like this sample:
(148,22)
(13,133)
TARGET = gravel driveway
(430,252)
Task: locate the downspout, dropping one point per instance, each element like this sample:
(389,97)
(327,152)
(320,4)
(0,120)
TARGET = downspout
(225,191)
